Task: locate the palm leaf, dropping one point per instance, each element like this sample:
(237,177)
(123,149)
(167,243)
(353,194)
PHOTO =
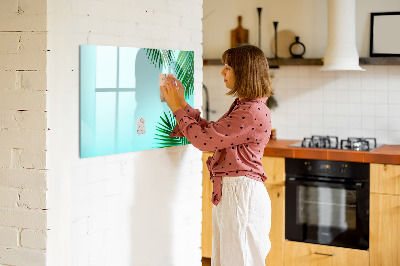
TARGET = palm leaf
(164,129)
(184,70)
(184,65)
(159,57)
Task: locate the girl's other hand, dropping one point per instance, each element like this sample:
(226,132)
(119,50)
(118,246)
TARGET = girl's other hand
(172,97)
(181,90)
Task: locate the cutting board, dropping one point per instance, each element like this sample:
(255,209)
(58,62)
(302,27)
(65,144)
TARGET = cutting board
(239,35)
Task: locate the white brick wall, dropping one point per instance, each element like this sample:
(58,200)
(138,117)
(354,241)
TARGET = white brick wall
(140,208)
(9,237)
(33,239)
(99,208)
(23,132)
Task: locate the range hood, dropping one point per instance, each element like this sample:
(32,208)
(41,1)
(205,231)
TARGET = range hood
(341,51)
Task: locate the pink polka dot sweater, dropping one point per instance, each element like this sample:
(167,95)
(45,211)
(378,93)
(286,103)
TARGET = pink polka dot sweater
(238,139)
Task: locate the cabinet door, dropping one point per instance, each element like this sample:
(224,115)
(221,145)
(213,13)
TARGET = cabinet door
(385,178)
(206,226)
(274,168)
(277,233)
(304,254)
(384,230)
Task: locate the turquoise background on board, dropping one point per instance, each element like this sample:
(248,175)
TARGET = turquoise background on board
(119,85)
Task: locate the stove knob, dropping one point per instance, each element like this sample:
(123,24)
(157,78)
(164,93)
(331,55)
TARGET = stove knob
(343,168)
(308,166)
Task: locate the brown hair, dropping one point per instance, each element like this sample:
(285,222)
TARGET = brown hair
(250,66)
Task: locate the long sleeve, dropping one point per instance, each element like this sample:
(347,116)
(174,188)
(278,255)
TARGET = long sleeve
(230,131)
(193,113)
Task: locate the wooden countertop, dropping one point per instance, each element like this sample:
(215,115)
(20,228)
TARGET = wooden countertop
(389,154)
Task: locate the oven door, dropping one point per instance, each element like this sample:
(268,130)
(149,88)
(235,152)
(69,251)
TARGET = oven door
(327,213)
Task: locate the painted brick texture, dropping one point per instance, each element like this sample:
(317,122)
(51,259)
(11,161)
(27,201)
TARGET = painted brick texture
(23,125)
(140,208)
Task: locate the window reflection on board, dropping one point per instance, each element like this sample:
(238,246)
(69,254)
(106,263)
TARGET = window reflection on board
(120,106)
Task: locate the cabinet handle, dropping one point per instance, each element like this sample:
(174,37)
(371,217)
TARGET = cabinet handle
(324,254)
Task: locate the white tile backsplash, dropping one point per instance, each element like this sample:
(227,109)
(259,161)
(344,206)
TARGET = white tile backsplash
(394,97)
(381,97)
(394,123)
(367,96)
(381,110)
(382,136)
(367,110)
(380,71)
(342,123)
(394,82)
(292,82)
(367,123)
(381,83)
(394,136)
(343,103)
(394,110)
(355,109)
(393,71)
(329,109)
(304,82)
(342,109)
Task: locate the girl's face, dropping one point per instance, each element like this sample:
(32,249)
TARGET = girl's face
(229,76)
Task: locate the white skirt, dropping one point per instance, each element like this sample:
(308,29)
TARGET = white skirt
(241,223)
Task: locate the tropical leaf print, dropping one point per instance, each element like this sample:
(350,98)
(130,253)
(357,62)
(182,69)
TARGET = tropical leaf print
(184,70)
(159,57)
(184,65)
(164,129)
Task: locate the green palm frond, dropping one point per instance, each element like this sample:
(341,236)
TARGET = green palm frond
(164,129)
(184,65)
(160,57)
(184,70)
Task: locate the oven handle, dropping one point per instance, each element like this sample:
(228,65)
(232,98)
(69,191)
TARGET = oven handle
(357,185)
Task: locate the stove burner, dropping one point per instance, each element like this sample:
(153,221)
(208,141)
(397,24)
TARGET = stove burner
(332,142)
(328,142)
(358,144)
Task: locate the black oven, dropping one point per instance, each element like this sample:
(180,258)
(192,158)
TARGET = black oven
(327,202)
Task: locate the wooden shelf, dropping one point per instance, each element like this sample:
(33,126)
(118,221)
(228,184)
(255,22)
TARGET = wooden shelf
(380,61)
(274,63)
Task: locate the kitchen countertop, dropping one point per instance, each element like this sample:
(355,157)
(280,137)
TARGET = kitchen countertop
(389,154)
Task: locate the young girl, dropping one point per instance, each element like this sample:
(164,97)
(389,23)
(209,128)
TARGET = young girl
(242,209)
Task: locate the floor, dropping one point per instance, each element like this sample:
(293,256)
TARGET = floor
(206,261)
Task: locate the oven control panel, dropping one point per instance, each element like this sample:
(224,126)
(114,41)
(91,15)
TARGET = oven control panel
(337,169)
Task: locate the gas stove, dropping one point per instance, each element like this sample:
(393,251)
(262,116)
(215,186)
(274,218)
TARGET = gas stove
(332,142)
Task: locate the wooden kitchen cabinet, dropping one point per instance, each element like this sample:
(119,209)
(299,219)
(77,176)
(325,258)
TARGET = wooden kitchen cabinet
(305,254)
(385,178)
(384,236)
(385,215)
(277,233)
(206,225)
(274,168)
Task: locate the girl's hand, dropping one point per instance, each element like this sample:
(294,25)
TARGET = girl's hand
(181,91)
(171,96)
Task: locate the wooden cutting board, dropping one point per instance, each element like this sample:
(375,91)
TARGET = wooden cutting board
(239,35)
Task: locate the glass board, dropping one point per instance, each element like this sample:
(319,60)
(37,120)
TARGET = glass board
(120,100)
